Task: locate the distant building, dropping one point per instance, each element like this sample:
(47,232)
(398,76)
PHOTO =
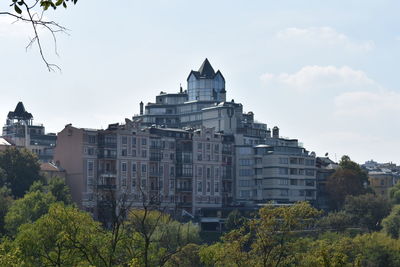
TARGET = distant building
(49,170)
(325,167)
(382,176)
(381,182)
(21,132)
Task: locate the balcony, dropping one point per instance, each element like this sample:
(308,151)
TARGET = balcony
(107,186)
(107,173)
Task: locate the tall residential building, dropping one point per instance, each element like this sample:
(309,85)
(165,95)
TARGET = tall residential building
(192,150)
(158,164)
(20,131)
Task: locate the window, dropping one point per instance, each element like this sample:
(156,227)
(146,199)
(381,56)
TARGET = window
(382,182)
(309,183)
(216,172)
(187,170)
(245,162)
(293,161)
(133,168)
(144,168)
(123,166)
(144,141)
(133,184)
(208,187)
(293,182)
(258,171)
(92,139)
(90,168)
(245,172)
(208,146)
(144,153)
(172,171)
(309,193)
(199,146)
(171,184)
(309,172)
(283,161)
(310,162)
(124,182)
(216,186)
(283,181)
(293,171)
(200,171)
(90,151)
(124,140)
(245,151)
(208,173)
(143,183)
(245,183)
(133,152)
(216,148)
(199,157)
(133,140)
(124,152)
(199,186)
(283,170)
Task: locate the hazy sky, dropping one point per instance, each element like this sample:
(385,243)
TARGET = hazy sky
(325,72)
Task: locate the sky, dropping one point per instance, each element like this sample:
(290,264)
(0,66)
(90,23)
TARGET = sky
(324,72)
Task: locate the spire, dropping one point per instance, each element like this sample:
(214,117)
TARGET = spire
(20,113)
(206,70)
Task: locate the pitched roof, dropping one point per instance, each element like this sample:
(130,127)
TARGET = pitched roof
(20,113)
(3,142)
(205,71)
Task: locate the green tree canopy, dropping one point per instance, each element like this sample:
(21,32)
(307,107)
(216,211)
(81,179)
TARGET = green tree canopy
(5,204)
(367,210)
(20,169)
(391,224)
(27,210)
(348,179)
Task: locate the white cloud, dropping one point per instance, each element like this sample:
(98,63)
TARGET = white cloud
(311,78)
(325,36)
(383,104)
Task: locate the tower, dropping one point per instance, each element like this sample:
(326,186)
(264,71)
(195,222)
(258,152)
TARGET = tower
(206,84)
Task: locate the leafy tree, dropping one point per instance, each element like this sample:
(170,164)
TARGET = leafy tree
(264,241)
(349,179)
(154,237)
(187,256)
(234,220)
(391,224)
(63,237)
(5,203)
(337,221)
(394,194)
(27,210)
(60,190)
(21,168)
(367,210)
(10,256)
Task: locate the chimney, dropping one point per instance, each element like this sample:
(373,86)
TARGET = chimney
(275,132)
(181,89)
(141,107)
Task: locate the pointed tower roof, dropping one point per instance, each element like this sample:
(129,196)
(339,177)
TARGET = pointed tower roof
(20,113)
(206,70)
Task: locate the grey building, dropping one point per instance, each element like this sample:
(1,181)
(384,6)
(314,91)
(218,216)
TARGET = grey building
(20,131)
